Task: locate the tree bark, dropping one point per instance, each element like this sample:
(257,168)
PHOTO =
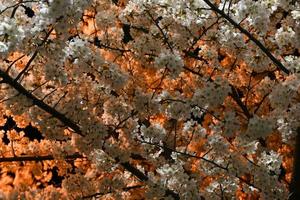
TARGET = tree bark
(295,183)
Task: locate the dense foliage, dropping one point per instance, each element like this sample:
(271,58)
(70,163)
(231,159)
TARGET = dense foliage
(149,99)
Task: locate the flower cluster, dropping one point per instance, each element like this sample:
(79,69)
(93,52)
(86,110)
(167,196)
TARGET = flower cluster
(259,128)
(174,176)
(271,160)
(213,94)
(173,63)
(155,133)
(148,99)
(10,34)
(231,124)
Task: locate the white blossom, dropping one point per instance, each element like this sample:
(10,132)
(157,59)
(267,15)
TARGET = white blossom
(173,63)
(259,128)
(155,133)
(271,160)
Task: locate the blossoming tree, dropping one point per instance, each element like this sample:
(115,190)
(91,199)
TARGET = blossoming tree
(150,99)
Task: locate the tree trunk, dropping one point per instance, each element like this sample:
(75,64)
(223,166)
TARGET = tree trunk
(295,183)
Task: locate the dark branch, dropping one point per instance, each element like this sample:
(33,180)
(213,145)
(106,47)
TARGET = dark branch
(34,55)
(235,95)
(37,158)
(53,112)
(249,35)
(295,183)
(68,122)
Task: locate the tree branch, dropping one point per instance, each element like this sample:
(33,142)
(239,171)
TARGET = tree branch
(37,158)
(34,55)
(295,183)
(249,35)
(234,94)
(39,103)
(69,123)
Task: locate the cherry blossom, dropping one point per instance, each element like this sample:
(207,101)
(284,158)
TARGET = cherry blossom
(149,99)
